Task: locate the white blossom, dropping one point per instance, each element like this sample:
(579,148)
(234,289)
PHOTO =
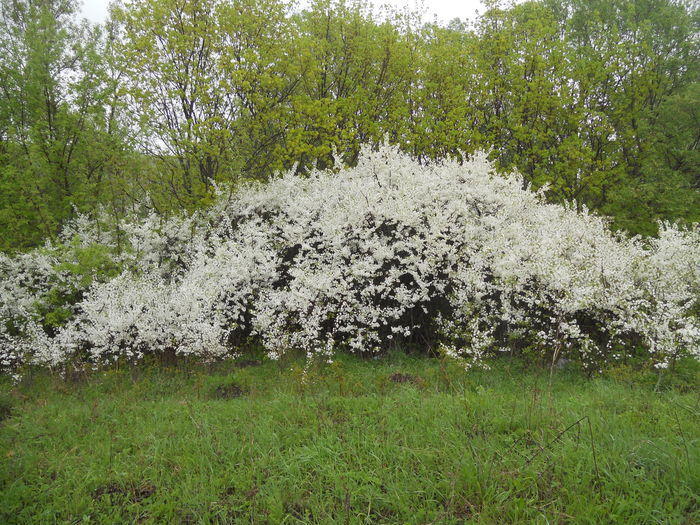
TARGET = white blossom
(350,261)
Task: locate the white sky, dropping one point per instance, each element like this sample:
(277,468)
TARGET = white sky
(446,10)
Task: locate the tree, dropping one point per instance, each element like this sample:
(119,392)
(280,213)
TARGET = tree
(168,54)
(354,87)
(637,57)
(52,99)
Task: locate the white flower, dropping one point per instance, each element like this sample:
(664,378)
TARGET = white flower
(350,260)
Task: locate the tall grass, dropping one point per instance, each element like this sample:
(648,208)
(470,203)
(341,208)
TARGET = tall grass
(392,440)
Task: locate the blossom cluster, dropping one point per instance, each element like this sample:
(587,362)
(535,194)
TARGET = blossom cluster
(449,254)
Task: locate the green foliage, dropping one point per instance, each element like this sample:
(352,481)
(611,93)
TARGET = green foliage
(684,375)
(225,387)
(597,100)
(7,405)
(581,97)
(501,446)
(60,141)
(86,264)
(78,267)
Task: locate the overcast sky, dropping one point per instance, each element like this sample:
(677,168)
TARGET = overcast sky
(446,10)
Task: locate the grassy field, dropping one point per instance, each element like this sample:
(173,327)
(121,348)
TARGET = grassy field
(393,440)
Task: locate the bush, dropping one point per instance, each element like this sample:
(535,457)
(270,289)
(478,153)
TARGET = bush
(41,291)
(389,252)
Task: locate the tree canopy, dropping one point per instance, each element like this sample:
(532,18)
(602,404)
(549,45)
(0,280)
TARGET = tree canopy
(595,100)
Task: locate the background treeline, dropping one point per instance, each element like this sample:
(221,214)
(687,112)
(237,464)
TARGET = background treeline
(598,99)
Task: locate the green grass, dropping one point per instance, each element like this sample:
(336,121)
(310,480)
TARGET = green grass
(392,440)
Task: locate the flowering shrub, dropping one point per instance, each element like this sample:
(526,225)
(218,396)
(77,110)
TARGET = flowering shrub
(390,250)
(41,290)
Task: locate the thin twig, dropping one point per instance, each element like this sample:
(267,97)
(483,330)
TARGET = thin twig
(595,459)
(685,444)
(693,412)
(542,449)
